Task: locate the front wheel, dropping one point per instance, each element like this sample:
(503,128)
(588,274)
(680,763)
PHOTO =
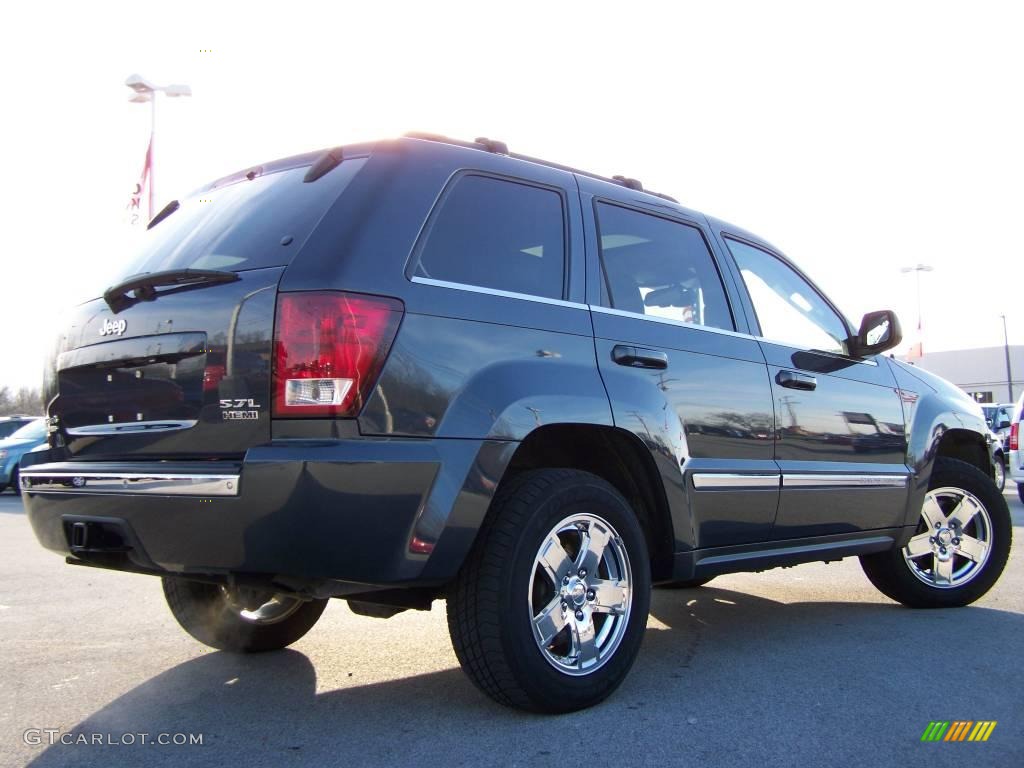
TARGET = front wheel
(240,619)
(549,610)
(960,546)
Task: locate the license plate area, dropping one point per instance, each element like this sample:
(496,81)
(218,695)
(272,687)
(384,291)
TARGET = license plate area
(132,392)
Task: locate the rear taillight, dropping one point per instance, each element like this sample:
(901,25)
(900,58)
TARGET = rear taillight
(1014,436)
(329,348)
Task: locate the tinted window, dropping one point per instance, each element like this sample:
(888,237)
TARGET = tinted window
(241,225)
(498,234)
(661,268)
(788,309)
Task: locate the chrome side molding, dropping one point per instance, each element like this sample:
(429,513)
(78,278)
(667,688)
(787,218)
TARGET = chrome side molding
(714,481)
(844,481)
(722,481)
(127,483)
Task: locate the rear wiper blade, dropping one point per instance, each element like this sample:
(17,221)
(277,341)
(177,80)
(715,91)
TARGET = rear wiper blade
(143,287)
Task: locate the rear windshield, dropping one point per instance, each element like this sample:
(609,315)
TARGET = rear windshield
(242,225)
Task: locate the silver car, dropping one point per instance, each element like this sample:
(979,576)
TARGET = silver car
(999,417)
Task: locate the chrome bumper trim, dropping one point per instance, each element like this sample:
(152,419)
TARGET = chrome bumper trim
(131,484)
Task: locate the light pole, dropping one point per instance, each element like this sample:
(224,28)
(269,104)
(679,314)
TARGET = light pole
(918,269)
(147,91)
(1009,372)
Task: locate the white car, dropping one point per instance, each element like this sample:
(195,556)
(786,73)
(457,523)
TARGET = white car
(1016,462)
(999,416)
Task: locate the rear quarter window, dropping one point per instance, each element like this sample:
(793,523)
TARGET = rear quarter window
(499,234)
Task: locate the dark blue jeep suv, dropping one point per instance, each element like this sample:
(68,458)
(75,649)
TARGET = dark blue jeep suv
(423,368)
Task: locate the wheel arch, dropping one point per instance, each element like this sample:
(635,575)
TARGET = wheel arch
(620,458)
(938,426)
(965,445)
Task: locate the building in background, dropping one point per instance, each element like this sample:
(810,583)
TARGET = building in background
(981,373)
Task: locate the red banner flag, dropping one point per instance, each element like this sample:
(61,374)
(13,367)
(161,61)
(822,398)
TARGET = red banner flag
(134,207)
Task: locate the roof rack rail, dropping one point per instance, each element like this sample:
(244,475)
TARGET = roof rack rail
(497,147)
(629,183)
(501,148)
(481,142)
(635,184)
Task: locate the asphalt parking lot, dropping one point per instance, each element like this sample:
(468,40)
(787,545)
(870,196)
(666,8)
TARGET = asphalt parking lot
(805,666)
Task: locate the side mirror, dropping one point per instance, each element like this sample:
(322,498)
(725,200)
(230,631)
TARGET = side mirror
(878,332)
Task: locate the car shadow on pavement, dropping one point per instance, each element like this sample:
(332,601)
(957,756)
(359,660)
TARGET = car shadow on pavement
(720,672)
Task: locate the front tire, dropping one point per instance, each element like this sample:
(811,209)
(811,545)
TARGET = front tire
(548,612)
(960,546)
(240,619)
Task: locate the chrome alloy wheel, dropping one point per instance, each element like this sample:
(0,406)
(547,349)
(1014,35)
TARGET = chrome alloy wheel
(953,541)
(260,606)
(580,594)
(999,474)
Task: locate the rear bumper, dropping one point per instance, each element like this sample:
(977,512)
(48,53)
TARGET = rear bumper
(325,516)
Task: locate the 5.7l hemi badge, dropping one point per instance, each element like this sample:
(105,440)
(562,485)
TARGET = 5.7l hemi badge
(239,409)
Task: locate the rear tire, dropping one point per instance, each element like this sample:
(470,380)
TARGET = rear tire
(549,610)
(238,619)
(960,546)
(1020,492)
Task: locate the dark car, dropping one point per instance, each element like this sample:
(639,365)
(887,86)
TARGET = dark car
(422,368)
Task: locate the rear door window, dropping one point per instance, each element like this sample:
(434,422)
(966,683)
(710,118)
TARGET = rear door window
(660,268)
(499,234)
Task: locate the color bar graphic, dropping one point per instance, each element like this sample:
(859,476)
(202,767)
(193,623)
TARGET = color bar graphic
(958,730)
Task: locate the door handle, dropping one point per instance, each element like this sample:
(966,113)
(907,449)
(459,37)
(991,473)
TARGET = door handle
(638,357)
(794,380)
